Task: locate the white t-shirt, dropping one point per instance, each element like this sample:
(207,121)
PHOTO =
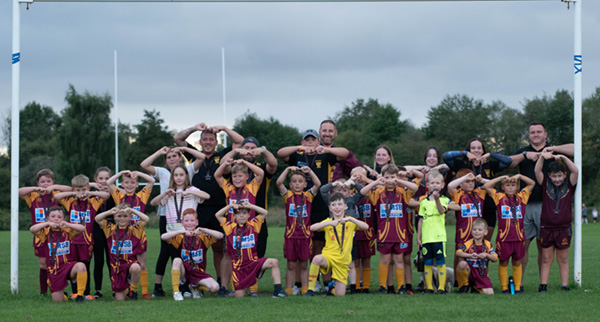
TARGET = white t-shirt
(163,175)
(172,203)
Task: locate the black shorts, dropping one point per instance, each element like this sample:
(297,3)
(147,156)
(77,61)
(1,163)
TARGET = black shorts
(206,217)
(489,211)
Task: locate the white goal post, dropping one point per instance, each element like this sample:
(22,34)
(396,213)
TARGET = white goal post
(15,107)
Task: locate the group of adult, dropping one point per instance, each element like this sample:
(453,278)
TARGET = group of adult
(336,163)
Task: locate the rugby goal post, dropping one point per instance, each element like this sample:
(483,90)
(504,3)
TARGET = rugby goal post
(15,107)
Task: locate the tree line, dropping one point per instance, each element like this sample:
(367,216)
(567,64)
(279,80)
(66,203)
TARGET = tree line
(81,137)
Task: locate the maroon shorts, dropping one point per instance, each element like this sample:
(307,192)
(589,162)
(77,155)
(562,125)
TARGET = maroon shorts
(393,248)
(194,276)
(246,275)
(80,252)
(366,248)
(410,244)
(296,249)
(41,251)
(119,276)
(559,238)
(510,248)
(59,279)
(480,282)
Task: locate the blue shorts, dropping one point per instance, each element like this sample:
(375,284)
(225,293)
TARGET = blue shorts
(435,251)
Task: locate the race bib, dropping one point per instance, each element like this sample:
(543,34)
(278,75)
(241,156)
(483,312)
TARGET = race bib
(125,246)
(469,210)
(292,212)
(78,217)
(195,256)
(247,241)
(40,216)
(62,248)
(395,211)
(366,210)
(507,214)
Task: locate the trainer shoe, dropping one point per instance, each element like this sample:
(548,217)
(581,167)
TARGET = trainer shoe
(428,291)
(88,297)
(187,294)
(177,296)
(295,290)
(196,293)
(98,295)
(222,292)
(420,287)
(281,293)
(463,289)
(79,299)
(382,290)
(146,296)
(543,288)
(442,292)
(330,288)
(254,294)
(133,296)
(365,291)
(73,296)
(565,288)
(309,293)
(518,292)
(391,290)
(404,291)
(158,292)
(505,292)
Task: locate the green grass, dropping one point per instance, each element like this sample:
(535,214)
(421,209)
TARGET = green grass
(576,305)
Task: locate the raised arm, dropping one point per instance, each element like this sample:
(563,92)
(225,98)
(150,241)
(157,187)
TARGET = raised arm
(450,156)
(270,159)
(236,138)
(489,186)
(285,152)
(198,193)
(572,168)
(149,180)
(210,232)
(313,177)
(101,216)
(366,189)
(111,181)
(147,163)
(27,190)
(259,210)
(410,185)
(221,169)
(359,223)
(221,213)
(505,161)
(456,182)
(180,137)
(280,181)
(340,153)
(539,165)
(259,174)
(566,149)
(39,226)
(62,195)
(100,194)
(528,181)
(143,217)
(325,191)
(199,157)
(156,201)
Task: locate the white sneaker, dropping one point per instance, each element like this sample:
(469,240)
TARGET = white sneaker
(296,290)
(177,296)
(196,293)
(187,294)
(318,287)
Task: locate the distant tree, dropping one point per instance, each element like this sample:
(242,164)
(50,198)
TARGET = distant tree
(150,135)
(556,112)
(269,132)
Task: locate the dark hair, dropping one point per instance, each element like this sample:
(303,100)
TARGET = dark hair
(44,173)
(468,147)
(537,123)
(337,196)
(102,169)
(556,166)
(437,153)
(298,173)
(57,208)
(208,131)
(327,121)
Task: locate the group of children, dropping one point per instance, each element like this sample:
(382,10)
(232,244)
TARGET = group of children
(365,215)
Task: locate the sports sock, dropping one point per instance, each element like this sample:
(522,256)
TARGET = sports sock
(383,272)
(352,288)
(157,286)
(81,278)
(429,277)
(289,291)
(313,274)
(399,276)
(366,278)
(303,290)
(202,288)
(175,277)
(144,281)
(462,277)
(254,288)
(518,276)
(442,277)
(134,287)
(503,276)
(43,280)
(277,288)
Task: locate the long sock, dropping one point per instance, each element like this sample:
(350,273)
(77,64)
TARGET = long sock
(429,277)
(442,277)
(313,274)
(518,276)
(43,280)
(366,278)
(503,276)
(81,278)
(462,277)
(303,289)
(134,287)
(383,272)
(289,291)
(254,288)
(157,286)
(74,287)
(203,288)
(175,277)
(144,281)
(399,276)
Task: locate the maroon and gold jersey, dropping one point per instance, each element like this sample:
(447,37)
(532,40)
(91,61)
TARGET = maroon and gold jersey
(297,214)
(82,212)
(393,222)
(556,204)
(38,206)
(510,211)
(235,195)
(58,242)
(366,213)
(471,247)
(471,206)
(137,201)
(241,241)
(123,243)
(193,249)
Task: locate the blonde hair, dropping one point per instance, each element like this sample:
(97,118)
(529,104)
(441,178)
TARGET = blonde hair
(358,169)
(390,168)
(480,222)
(80,180)
(434,175)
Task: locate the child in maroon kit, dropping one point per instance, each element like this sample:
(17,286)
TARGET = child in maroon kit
(242,236)
(56,234)
(123,240)
(39,200)
(558,188)
(82,205)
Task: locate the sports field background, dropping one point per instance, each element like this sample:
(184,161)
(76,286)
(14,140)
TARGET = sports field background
(579,304)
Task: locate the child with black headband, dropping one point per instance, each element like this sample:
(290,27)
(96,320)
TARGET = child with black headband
(558,189)
(123,240)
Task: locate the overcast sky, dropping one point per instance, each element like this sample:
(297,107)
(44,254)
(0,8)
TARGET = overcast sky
(297,62)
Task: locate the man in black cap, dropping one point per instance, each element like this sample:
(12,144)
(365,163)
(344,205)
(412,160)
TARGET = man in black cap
(250,151)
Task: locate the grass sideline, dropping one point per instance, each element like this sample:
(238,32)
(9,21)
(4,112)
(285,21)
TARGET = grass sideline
(575,305)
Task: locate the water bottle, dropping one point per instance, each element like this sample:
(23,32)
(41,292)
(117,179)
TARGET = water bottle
(511,283)
(420,261)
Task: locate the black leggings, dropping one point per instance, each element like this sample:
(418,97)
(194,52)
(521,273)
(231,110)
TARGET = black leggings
(100,250)
(166,251)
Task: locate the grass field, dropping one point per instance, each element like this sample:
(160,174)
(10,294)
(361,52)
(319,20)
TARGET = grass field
(579,304)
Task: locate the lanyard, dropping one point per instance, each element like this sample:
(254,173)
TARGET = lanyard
(512,203)
(82,219)
(557,192)
(46,203)
(118,250)
(179,209)
(240,232)
(475,201)
(389,199)
(481,262)
(207,165)
(53,245)
(341,243)
(299,209)
(188,242)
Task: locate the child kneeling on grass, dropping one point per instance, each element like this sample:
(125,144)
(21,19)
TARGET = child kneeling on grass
(192,243)
(475,254)
(124,241)
(57,235)
(241,239)
(336,256)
